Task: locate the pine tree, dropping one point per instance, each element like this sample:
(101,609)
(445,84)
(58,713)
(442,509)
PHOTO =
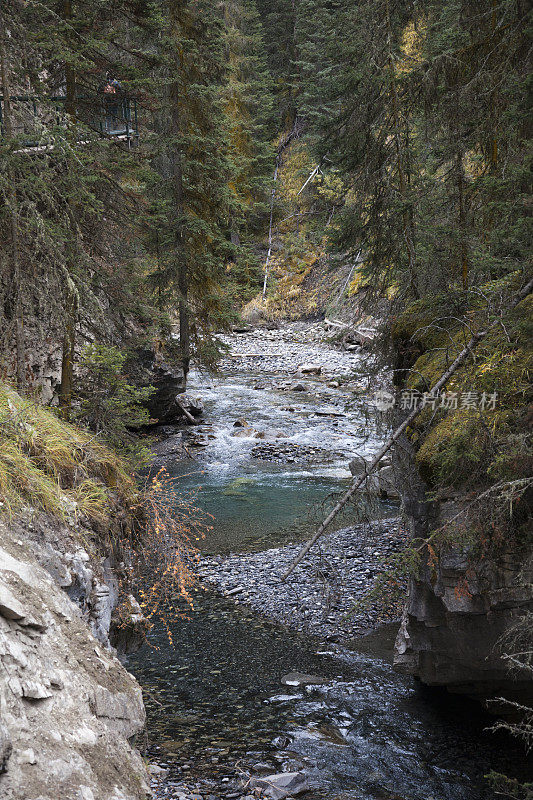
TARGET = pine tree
(248,107)
(189,186)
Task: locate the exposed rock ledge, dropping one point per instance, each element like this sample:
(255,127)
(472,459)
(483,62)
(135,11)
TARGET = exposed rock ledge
(69,711)
(457,612)
(449,636)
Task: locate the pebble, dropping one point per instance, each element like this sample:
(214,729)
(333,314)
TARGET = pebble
(268,349)
(319,596)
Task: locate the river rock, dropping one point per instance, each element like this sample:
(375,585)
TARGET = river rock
(309,369)
(272,433)
(281,785)
(245,433)
(301,679)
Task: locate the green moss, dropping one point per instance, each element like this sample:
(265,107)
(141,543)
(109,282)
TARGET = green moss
(458,450)
(463,448)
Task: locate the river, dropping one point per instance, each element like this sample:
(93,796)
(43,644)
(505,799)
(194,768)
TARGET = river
(216,706)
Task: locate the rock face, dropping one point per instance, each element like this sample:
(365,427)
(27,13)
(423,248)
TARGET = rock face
(450,629)
(457,609)
(148,368)
(68,708)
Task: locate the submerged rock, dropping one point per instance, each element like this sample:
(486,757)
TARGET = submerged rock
(301,679)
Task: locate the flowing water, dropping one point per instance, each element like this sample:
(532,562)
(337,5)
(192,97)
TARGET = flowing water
(215,695)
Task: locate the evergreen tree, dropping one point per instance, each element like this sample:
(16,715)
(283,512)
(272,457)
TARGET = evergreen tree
(58,177)
(279,21)
(191,201)
(248,107)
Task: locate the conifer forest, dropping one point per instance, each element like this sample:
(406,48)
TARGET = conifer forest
(266,469)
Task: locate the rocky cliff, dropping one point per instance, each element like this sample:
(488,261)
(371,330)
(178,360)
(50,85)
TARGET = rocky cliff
(69,710)
(459,606)
(450,631)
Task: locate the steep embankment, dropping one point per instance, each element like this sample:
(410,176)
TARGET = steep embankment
(464,470)
(69,709)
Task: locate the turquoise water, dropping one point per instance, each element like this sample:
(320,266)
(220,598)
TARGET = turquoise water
(268,509)
(256,503)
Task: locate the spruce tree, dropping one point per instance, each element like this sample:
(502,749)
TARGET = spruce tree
(249,113)
(191,201)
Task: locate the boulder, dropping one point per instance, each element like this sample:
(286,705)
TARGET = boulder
(272,434)
(281,784)
(357,466)
(381,481)
(297,387)
(386,483)
(245,432)
(310,369)
(193,405)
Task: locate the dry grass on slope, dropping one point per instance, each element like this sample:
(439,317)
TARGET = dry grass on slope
(53,465)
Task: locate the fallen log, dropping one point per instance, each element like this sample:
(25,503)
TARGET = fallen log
(461,358)
(335,323)
(188,416)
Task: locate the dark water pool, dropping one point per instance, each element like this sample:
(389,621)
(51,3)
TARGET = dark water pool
(366,733)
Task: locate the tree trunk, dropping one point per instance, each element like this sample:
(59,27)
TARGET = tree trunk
(70,77)
(462,219)
(14,284)
(175,158)
(67,362)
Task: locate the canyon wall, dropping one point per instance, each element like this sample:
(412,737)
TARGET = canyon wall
(459,607)
(69,710)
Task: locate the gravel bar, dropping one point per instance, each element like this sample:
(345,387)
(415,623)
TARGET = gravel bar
(319,596)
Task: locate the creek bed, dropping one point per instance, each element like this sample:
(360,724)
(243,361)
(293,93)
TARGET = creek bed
(217,708)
